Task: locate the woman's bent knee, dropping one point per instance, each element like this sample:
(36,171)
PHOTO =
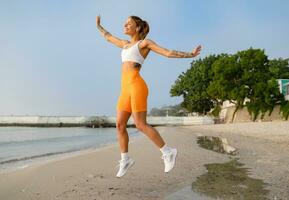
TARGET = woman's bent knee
(120,127)
(140,126)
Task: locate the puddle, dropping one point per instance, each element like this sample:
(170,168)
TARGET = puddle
(187,194)
(222,181)
(229,181)
(217,144)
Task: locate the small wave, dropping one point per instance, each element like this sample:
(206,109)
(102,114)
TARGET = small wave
(51,139)
(36,156)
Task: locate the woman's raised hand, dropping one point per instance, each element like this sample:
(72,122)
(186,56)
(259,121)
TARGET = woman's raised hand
(196,51)
(98,20)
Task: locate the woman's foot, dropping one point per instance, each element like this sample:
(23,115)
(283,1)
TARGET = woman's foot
(169,158)
(124,165)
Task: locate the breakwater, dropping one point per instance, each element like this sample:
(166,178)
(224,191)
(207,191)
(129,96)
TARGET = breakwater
(96,121)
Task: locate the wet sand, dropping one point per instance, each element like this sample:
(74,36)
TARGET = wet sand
(262,148)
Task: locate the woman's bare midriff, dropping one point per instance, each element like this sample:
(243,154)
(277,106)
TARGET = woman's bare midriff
(129,65)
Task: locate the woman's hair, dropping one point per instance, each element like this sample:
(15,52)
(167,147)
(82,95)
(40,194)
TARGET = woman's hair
(143,26)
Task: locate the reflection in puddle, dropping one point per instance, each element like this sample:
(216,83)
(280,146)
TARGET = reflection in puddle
(226,181)
(217,144)
(229,181)
(187,194)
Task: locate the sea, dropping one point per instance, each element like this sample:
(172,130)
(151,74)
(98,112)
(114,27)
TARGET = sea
(21,147)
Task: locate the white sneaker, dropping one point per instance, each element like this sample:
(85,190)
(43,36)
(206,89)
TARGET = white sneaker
(170,159)
(124,165)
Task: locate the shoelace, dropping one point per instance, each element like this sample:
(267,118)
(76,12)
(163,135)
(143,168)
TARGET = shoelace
(166,156)
(120,162)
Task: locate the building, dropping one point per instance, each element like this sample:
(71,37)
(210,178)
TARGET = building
(284,87)
(286,91)
(228,107)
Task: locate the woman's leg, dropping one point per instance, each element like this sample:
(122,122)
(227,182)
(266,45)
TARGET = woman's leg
(151,132)
(168,154)
(121,121)
(139,95)
(126,162)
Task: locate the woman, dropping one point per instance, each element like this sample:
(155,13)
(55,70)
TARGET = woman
(134,91)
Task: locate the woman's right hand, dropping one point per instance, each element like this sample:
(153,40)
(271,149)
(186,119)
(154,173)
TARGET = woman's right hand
(97,20)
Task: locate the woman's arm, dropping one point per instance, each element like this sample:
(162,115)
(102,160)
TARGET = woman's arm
(172,53)
(108,36)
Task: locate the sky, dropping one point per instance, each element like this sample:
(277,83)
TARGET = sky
(53,60)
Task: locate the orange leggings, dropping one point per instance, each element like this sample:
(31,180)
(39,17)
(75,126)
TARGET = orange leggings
(134,92)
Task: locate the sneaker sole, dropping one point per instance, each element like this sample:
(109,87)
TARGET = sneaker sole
(174,159)
(129,166)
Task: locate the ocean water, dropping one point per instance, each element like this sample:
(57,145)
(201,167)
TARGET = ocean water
(23,146)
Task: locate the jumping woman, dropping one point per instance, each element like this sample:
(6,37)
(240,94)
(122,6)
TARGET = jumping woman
(134,91)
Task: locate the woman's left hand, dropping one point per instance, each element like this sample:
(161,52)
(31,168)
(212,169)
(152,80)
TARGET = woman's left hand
(196,51)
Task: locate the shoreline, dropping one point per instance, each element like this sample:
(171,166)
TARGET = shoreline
(62,156)
(92,175)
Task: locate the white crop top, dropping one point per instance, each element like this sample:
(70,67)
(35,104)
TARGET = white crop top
(132,54)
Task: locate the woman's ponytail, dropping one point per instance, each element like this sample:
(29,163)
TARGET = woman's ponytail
(143,26)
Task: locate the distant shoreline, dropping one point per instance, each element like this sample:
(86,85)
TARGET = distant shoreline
(97,121)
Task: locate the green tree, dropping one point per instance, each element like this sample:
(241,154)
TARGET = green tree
(247,79)
(279,68)
(245,76)
(227,81)
(192,85)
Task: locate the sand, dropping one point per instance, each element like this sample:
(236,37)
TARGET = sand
(262,147)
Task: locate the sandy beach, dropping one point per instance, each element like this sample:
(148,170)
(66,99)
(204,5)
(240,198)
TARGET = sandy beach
(262,147)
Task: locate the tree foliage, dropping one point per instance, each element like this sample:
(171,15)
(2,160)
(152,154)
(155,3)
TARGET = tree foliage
(247,79)
(192,85)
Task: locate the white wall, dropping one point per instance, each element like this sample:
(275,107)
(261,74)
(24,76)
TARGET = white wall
(79,120)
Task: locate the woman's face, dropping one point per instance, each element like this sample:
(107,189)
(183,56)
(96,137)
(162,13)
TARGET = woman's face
(130,27)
